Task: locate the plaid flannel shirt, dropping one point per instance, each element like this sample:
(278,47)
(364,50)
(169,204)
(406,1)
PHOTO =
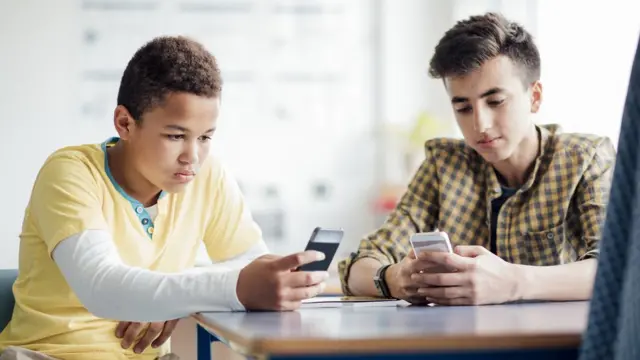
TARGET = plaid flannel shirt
(554,218)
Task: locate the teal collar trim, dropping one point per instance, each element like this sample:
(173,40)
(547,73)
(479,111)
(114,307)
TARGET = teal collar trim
(138,207)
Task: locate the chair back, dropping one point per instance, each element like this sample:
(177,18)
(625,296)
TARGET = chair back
(7,278)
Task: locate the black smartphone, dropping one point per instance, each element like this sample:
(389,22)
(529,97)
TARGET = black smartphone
(325,241)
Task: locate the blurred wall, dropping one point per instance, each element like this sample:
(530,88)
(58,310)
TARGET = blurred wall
(587,49)
(297,128)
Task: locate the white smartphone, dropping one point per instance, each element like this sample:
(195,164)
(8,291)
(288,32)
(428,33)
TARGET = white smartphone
(434,241)
(431,241)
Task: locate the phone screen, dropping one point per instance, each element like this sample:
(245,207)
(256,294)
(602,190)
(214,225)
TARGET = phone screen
(325,241)
(433,241)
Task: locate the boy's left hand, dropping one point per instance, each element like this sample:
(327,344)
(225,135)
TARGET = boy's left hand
(155,334)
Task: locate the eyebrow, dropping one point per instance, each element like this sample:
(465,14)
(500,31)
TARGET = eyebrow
(492,91)
(184,129)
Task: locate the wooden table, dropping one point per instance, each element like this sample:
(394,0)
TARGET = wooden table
(519,331)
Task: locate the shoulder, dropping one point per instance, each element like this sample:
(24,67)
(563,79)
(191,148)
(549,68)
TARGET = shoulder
(449,160)
(583,146)
(447,148)
(451,153)
(81,161)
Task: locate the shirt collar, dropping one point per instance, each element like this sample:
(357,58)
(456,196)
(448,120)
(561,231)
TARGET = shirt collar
(545,149)
(105,145)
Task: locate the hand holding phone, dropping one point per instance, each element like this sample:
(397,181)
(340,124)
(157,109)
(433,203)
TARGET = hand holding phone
(326,241)
(271,282)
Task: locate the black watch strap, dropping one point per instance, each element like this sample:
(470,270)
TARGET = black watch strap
(381,282)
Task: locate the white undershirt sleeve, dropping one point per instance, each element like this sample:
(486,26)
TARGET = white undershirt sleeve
(108,288)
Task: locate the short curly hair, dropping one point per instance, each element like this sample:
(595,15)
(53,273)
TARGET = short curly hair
(471,42)
(165,65)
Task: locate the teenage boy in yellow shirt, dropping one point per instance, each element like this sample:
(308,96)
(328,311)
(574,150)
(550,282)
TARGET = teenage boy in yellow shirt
(111,231)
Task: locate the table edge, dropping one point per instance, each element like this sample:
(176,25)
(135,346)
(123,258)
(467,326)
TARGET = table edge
(438,343)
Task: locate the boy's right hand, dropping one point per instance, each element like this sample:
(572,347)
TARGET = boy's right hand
(271,282)
(401,282)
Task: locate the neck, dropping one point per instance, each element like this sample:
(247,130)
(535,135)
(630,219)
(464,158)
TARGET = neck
(129,178)
(516,169)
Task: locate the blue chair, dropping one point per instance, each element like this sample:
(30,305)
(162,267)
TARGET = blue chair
(7,278)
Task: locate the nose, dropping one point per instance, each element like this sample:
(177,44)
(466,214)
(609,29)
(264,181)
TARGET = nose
(481,121)
(189,153)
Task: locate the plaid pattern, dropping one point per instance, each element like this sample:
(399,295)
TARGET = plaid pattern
(554,218)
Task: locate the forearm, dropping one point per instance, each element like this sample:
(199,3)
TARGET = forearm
(388,245)
(110,289)
(572,281)
(361,277)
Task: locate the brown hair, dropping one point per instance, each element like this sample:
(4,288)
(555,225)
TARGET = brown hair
(167,64)
(471,42)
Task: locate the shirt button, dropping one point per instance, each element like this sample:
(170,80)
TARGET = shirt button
(549,236)
(150,230)
(145,221)
(139,209)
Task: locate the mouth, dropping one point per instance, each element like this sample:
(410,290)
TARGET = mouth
(489,141)
(184,176)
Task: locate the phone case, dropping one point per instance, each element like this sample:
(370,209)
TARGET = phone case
(326,241)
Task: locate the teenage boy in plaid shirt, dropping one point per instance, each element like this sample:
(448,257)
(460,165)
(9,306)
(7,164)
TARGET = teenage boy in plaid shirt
(522,204)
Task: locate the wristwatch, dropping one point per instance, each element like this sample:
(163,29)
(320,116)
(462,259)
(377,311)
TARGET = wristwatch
(381,283)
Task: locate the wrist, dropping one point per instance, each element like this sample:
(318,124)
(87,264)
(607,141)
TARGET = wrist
(380,281)
(230,286)
(522,282)
(389,275)
(240,295)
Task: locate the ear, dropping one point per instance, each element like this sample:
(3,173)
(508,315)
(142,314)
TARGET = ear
(124,122)
(536,96)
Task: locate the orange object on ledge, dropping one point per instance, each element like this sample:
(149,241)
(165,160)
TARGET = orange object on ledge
(388,199)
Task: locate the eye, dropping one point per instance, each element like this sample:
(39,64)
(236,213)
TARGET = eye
(464,110)
(496,102)
(174,137)
(205,138)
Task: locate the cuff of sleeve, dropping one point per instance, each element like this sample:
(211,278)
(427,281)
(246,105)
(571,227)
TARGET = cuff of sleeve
(230,286)
(344,268)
